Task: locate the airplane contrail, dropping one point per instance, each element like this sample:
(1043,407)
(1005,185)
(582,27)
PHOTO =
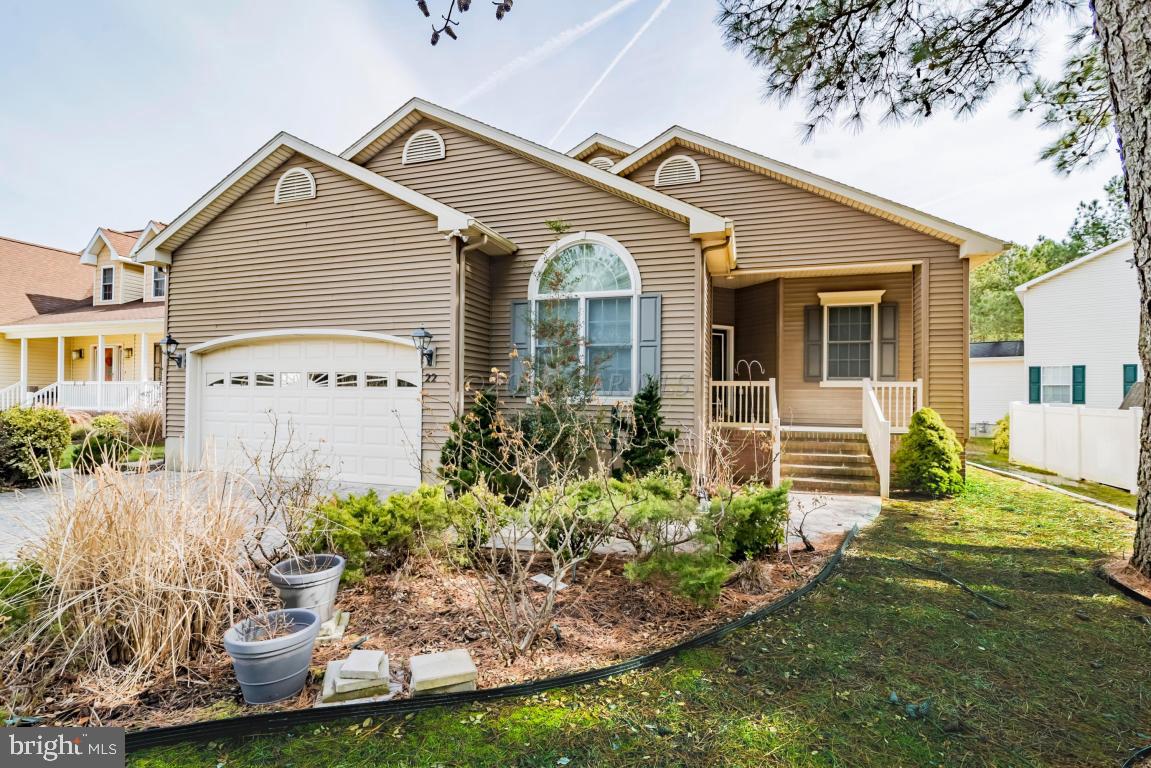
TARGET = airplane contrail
(545,50)
(623,52)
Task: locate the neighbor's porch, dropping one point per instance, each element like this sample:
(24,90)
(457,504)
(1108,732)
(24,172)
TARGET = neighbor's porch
(117,368)
(818,351)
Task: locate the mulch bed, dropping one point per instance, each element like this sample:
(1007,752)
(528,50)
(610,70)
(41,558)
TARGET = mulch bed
(1128,579)
(601,619)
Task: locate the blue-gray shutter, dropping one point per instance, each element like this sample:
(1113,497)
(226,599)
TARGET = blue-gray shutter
(648,336)
(521,339)
(888,342)
(812,343)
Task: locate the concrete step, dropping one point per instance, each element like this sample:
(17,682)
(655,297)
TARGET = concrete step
(844,437)
(864,471)
(828,459)
(850,448)
(834,486)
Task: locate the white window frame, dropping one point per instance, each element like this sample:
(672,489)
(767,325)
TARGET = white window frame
(152,283)
(111,284)
(535,295)
(844,299)
(1043,369)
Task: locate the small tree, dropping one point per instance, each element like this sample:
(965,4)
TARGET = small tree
(650,445)
(475,451)
(930,458)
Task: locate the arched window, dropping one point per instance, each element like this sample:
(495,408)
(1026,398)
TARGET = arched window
(424,146)
(295,184)
(584,294)
(677,169)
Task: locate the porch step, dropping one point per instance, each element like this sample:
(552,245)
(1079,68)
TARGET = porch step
(843,486)
(829,462)
(837,447)
(827,459)
(836,471)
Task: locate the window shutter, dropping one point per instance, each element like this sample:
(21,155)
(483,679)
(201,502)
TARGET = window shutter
(888,342)
(1034,384)
(812,343)
(1078,384)
(648,337)
(521,338)
(1130,376)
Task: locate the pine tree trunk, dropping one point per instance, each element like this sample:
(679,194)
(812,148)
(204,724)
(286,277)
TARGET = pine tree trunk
(1124,29)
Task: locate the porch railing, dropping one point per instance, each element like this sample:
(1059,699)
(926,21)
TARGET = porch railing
(97,396)
(898,401)
(743,403)
(877,428)
(10,396)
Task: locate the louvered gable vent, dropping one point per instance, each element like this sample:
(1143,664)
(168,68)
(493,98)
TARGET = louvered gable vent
(678,169)
(424,146)
(601,162)
(295,184)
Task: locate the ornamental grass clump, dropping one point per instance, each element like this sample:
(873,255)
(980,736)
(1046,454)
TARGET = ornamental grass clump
(930,457)
(141,576)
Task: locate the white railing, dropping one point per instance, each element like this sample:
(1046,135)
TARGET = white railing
(898,401)
(743,403)
(776,434)
(10,396)
(878,431)
(100,396)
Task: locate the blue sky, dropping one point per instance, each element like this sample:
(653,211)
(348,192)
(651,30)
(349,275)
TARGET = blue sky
(119,111)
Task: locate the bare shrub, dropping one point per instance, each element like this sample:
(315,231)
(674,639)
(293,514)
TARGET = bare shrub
(145,426)
(141,575)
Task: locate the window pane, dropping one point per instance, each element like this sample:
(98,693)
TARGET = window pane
(347,379)
(214,380)
(406,380)
(265,379)
(1056,385)
(375,380)
(557,338)
(849,342)
(848,360)
(239,379)
(849,323)
(611,366)
(318,379)
(289,379)
(585,267)
(609,321)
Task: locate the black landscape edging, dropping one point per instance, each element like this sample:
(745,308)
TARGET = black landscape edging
(250,725)
(1126,590)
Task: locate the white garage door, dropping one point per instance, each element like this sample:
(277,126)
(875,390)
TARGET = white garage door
(354,401)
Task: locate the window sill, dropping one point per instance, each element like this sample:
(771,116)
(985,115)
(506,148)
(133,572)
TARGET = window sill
(841,384)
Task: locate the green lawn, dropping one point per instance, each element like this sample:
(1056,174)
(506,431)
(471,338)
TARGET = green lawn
(979,451)
(148,452)
(1060,679)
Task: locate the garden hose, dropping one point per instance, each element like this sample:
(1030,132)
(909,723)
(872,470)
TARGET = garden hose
(249,725)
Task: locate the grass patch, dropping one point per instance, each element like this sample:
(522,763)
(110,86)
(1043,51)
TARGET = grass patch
(1061,679)
(979,450)
(138,453)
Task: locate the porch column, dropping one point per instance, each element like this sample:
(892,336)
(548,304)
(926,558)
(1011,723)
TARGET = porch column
(144,355)
(59,358)
(23,368)
(100,371)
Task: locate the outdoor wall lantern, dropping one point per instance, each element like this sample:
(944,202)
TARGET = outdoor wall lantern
(128,352)
(77,354)
(422,338)
(170,347)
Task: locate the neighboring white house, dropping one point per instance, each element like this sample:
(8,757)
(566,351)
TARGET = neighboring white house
(998,378)
(1081,328)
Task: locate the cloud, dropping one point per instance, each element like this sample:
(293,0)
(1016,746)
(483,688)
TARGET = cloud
(618,57)
(545,50)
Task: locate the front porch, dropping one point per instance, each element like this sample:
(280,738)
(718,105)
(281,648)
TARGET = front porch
(819,359)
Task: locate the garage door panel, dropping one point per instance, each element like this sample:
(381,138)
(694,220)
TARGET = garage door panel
(364,433)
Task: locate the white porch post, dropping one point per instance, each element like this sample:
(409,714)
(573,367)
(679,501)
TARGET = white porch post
(23,368)
(59,358)
(144,355)
(99,371)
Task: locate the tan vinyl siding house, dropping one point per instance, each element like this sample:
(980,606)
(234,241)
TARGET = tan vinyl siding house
(452,232)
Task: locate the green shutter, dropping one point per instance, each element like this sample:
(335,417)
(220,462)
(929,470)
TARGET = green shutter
(1078,384)
(1035,384)
(521,337)
(648,338)
(1130,376)
(812,343)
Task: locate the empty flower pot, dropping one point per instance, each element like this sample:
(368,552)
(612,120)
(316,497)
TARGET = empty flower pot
(271,653)
(309,581)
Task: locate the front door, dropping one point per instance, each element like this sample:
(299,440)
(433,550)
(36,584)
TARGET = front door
(720,353)
(107,369)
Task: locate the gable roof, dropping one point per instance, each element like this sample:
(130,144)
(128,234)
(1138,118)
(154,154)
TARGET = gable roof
(119,243)
(700,223)
(269,157)
(39,279)
(597,141)
(975,245)
(983,349)
(150,230)
(1115,246)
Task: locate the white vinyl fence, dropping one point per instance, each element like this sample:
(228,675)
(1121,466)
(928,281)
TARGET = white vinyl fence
(1080,443)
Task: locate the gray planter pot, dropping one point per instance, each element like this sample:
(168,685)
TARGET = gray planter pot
(309,581)
(271,669)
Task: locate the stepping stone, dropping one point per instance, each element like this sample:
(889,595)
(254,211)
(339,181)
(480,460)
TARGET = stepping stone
(470,685)
(546,581)
(441,670)
(366,665)
(331,693)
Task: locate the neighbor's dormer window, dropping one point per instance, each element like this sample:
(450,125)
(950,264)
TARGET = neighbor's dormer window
(107,276)
(159,283)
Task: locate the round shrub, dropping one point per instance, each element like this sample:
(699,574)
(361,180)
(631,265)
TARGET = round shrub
(1001,440)
(106,443)
(930,458)
(32,440)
